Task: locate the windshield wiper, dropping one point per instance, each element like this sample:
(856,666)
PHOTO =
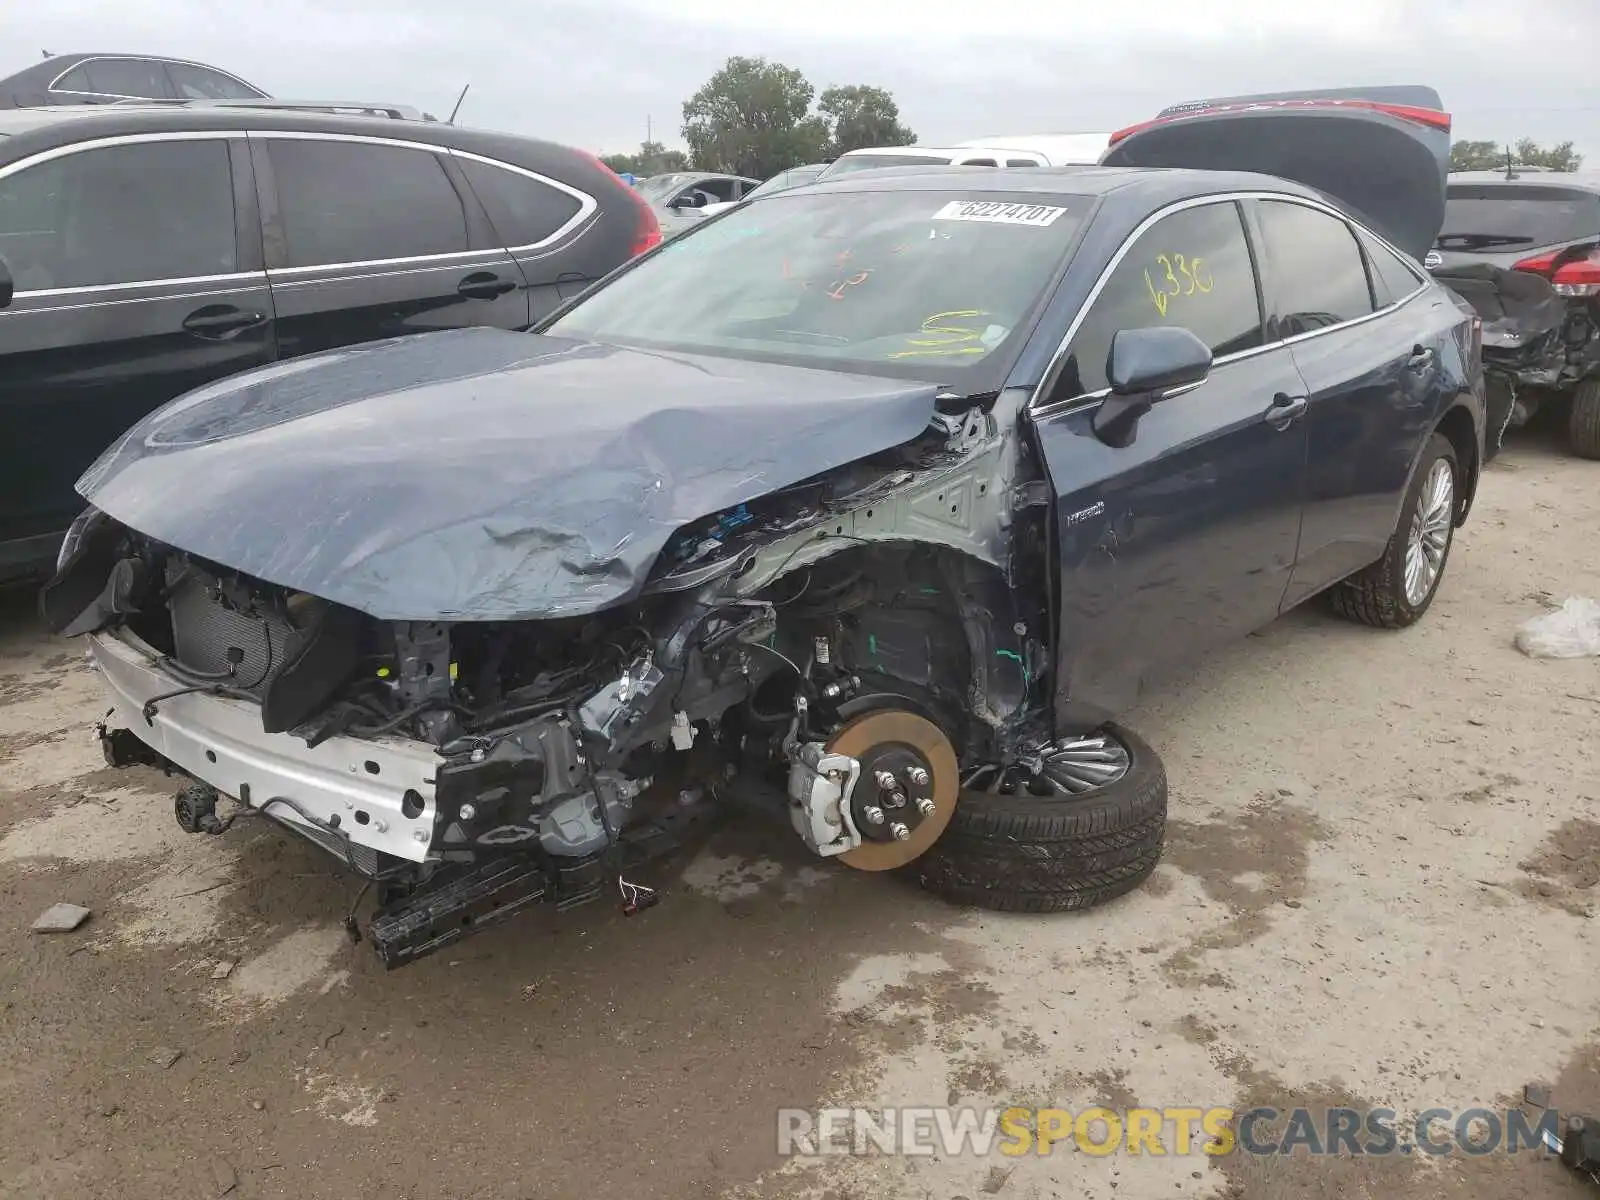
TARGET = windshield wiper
(1478,241)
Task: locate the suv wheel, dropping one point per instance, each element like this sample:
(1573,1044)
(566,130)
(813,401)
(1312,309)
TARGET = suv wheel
(1396,590)
(1583,424)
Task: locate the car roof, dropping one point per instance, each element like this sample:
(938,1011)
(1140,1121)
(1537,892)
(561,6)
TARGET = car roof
(58,64)
(951,151)
(26,131)
(1159,185)
(1582,180)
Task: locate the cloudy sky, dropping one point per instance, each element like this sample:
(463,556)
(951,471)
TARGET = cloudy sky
(594,72)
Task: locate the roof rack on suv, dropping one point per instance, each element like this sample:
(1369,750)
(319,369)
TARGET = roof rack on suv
(364,108)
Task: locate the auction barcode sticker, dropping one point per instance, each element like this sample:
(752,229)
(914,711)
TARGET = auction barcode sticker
(998,213)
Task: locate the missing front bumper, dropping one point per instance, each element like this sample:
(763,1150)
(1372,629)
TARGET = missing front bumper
(356,798)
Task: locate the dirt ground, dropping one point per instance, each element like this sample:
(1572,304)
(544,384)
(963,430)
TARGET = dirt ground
(1378,891)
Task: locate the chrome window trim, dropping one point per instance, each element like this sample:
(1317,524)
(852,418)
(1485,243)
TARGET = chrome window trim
(587,204)
(1036,408)
(253,277)
(128,139)
(182,62)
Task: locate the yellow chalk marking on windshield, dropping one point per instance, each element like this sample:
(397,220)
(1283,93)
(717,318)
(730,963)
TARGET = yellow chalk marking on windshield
(947,339)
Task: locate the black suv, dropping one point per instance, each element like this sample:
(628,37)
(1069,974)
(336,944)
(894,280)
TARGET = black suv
(148,250)
(106,78)
(1539,233)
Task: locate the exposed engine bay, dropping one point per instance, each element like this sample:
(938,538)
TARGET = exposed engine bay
(835,652)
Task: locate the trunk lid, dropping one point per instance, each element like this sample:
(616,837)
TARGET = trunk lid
(1382,152)
(478,474)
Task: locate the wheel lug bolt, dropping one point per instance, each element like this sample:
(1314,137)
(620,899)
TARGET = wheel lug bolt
(901,833)
(873,814)
(918,776)
(925,806)
(886,781)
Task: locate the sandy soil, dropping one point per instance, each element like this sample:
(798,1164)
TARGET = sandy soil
(1378,891)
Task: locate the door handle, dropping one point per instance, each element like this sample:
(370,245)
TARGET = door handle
(484,285)
(1285,410)
(219,322)
(1421,358)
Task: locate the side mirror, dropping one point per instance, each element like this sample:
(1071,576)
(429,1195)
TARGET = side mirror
(1146,366)
(689,201)
(7,286)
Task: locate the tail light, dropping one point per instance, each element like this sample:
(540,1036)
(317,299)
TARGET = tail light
(647,234)
(1572,272)
(647,229)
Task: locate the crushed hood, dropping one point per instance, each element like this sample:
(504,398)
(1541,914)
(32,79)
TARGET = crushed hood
(479,474)
(1384,152)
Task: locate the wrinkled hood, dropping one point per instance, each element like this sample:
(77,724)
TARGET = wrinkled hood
(478,474)
(1382,152)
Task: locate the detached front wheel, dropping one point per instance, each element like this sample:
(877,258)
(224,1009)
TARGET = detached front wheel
(1073,824)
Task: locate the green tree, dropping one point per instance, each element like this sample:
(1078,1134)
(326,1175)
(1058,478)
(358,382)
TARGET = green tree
(859,116)
(752,118)
(652,159)
(1559,157)
(1490,156)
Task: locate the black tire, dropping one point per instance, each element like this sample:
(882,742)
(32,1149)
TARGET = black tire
(1376,595)
(1054,854)
(1583,422)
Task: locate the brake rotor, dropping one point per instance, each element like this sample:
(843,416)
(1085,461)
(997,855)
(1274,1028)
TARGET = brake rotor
(898,743)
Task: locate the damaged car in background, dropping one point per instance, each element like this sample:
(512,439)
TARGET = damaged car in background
(868,505)
(1524,248)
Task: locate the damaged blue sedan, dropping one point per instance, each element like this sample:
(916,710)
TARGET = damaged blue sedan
(869,505)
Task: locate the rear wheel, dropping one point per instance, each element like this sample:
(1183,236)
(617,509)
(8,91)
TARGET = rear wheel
(1583,423)
(1074,824)
(1396,590)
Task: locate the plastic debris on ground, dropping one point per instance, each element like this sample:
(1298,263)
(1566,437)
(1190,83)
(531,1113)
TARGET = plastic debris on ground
(1571,631)
(61,918)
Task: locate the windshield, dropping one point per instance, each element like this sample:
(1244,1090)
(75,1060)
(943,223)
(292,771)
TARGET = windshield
(1492,217)
(871,162)
(912,284)
(658,187)
(784,180)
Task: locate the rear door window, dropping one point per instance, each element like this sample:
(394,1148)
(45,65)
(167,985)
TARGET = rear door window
(200,83)
(123,214)
(523,211)
(129,77)
(1505,217)
(1021,162)
(1392,279)
(354,202)
(1189,270)
(1312,267)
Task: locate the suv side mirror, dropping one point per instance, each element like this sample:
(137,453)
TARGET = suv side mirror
(7,285)
(1144,367)
(687,201)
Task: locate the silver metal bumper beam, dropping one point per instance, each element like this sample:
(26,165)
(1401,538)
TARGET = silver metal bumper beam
(356,785)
